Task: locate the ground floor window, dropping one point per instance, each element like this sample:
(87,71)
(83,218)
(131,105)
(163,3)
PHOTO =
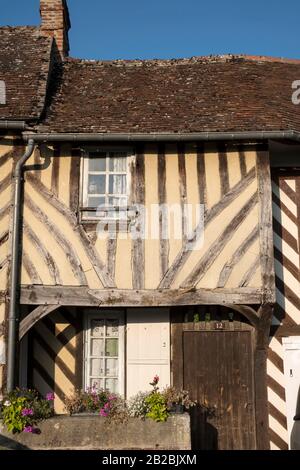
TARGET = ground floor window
(104,350)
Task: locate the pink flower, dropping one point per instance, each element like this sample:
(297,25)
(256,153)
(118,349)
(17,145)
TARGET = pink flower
(50,396)
(103,412)
(112,397)
(28,429)
(27,412)
(106,406)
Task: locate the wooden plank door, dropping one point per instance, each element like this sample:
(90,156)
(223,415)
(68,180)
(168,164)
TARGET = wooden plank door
(218,374)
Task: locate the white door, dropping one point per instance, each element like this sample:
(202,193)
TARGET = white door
(291,347)
(104,350)
(148,348)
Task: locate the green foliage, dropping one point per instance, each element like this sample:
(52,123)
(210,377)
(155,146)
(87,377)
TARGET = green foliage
(12,415)
(22,409)
(157,405)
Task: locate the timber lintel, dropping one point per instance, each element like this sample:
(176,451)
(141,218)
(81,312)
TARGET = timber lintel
(83,296)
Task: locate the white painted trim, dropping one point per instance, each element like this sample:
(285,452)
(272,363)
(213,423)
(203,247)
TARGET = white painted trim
(84,177)
(100,314)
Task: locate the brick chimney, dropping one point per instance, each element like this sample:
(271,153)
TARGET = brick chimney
(55,22)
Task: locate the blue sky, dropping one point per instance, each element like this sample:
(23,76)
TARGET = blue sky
(118,29)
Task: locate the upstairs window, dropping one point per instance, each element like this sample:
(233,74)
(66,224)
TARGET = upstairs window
(105,184)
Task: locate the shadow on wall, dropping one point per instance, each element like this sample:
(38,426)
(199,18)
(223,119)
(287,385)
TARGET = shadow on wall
(295,434)
(204,436)
(10,444)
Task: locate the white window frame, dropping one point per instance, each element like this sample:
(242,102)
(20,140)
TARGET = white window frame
(85,175)
(100,315)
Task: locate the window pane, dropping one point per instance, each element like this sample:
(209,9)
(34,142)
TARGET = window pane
(97,161)
(96,202)
(97,367)
(97,347)
(111,347)
(112,328)
(111,385)
(97,328)
(111,367)
(97,384)
(96,184)
(118,161)
(117,184)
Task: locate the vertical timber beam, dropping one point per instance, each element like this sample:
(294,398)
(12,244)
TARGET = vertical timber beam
(260,376)
(265,225)
(265,311)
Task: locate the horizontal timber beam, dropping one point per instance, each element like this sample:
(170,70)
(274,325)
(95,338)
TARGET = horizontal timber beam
(85,297)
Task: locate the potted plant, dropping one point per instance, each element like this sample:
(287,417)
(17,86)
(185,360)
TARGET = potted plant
(177,401)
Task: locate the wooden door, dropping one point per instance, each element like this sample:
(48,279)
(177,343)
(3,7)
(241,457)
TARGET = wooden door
(218,373)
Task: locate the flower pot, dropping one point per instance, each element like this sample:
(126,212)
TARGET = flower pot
(176,408)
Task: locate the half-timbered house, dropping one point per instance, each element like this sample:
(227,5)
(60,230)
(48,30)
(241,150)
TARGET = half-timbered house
(149,224)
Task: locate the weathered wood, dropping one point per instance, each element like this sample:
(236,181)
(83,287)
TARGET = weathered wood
(95,259)
(74,180)
(202,190)
(100,268)
(177,318)
(218,373)
(265,215)
(46,256)
(247,312)
(164,246)
(82,296)
(217,246)
(242,158)
(223,169)
(265,313)
(209,216)
(60,239)
(138,243)
(237,255)
(30,269)
(55,172)
(182,190)
(250,272)
(111,255)
(37,314)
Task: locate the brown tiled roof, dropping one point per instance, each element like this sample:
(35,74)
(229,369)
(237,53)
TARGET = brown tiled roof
(223,93)
(24,67)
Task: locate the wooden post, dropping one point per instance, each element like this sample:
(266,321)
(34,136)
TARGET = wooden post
(260,376)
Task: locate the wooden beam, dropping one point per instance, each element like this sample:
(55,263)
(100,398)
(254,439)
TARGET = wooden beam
(218,245)
(37,314)
(265,313)
(100,268)
(83,296)
(209,216)
(247,312)
(138,243)
(237,255)
(265,222)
